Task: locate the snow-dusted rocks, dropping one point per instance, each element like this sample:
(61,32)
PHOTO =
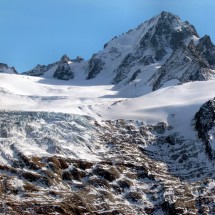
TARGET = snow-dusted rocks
(39,70)
(4,68)
(95,66)
(129,167)
(63,69)
(185,64)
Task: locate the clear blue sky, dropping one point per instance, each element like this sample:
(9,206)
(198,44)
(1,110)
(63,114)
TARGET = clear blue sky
(40,31)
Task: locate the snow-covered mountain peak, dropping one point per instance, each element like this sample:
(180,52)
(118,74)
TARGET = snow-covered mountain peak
(159,50)
(126,57)
(168,31)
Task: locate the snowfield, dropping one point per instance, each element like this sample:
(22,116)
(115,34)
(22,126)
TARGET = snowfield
(175,105)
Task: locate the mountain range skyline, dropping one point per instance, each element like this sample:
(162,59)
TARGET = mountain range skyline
(41,32)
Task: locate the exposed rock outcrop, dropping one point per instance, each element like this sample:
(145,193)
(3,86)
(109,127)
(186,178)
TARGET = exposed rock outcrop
(205,125)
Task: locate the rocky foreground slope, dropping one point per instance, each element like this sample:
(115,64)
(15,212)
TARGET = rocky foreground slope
(54,163)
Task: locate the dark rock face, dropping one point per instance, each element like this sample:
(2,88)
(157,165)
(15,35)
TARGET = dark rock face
(207,48)
(134,76)
(147,60)
(160,53)
(185,64)
(204,122)
(63,71)
(176,40)
(159,34)
(95,66)
(123,67)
